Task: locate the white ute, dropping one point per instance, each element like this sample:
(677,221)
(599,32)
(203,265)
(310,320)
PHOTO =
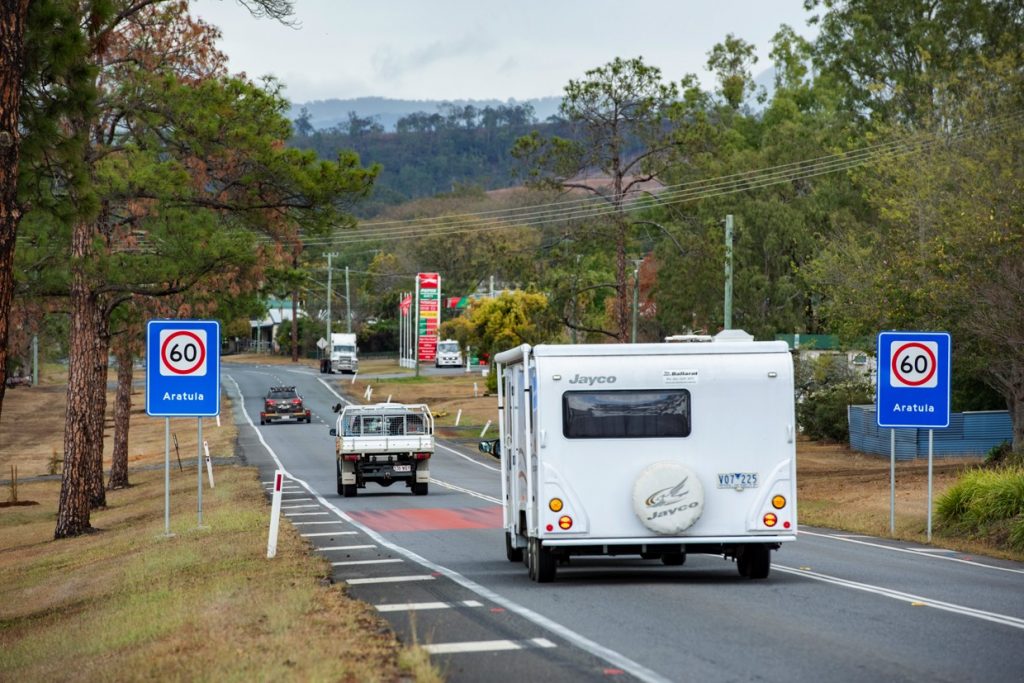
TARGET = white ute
(383,443)
(656,450)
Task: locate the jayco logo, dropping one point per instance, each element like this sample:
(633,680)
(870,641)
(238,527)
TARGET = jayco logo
(591,380)
(673,496)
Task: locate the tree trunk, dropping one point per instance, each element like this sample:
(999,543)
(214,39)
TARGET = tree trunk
(98,408)
(1017,418)
(295,327)
(73,507)
(122,414)
(13,14)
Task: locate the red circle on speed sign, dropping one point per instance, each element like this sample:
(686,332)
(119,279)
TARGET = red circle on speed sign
(200,356)
(932,367)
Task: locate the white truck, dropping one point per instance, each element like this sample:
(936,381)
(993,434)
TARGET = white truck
(656,450)
(449,354)
(383,443)
(341,354)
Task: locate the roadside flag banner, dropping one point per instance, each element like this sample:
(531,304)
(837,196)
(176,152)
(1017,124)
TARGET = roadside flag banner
(405,304)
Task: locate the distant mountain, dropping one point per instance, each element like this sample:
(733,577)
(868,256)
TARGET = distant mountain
(328,113)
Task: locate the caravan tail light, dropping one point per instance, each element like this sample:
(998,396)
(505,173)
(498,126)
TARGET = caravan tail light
(770,519)
(565,522)
(779,502)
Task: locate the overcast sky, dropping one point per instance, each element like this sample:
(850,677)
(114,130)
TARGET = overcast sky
(443,49)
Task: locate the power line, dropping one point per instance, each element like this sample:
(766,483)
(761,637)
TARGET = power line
(595,207)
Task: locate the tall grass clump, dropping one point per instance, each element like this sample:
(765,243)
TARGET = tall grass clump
(987,502)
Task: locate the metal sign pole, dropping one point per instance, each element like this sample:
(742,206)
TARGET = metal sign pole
(931,442)
(892,483)
(199,470)
(167,476)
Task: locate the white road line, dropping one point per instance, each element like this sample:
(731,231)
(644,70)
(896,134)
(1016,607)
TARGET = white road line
(614,658)
(330,533)
(300,507)
(415,606)
(306,514)
(390,579)
(348,547)
(336,521)
(389,560)
(963,610)
(847,539)
(466,457)
(485,646)
(475,494)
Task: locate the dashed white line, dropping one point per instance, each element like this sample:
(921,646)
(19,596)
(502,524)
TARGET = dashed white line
(486,646)
(348,547)
(306,514)
(415,606)
(350,563)
(300,507)
(336,521)
(330,533)
(390,579)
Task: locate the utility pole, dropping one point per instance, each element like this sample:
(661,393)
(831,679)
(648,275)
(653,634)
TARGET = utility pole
(329,272)
(728,272)
(348,303)
(636,294)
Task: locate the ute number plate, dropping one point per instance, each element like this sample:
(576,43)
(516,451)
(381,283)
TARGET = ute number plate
(402,468)
(737,480)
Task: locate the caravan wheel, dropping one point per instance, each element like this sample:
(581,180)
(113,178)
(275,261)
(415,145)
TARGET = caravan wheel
(513,554)
(542,562)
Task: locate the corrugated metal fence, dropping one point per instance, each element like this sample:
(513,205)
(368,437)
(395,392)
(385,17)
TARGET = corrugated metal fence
(968,434)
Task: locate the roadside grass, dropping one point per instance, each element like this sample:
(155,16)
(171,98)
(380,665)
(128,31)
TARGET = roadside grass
(125,603)
(987,504)
(128,603)
(445,394)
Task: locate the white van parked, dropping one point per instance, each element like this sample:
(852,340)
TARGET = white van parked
(656,450)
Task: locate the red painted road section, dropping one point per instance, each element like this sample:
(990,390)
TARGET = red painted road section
(430,519)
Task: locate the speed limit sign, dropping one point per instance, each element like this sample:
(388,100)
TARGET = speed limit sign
(913,379)
(183,352)
(914,364)
(183,368)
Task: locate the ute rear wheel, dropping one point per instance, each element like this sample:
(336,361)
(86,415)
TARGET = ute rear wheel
(348,490)
(419,489)
(341,487)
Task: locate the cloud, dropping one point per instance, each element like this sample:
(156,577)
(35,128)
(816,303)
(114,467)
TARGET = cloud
(388,64)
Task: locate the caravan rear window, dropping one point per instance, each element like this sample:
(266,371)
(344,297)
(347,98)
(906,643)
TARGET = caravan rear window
(627,414)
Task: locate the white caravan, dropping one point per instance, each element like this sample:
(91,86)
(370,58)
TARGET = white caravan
(656,450)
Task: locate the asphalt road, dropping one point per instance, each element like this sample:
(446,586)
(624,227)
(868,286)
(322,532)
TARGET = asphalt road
(835,608)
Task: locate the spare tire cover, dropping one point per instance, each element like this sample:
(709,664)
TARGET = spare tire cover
(668,498)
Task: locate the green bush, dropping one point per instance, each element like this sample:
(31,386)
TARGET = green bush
(822,414)
(984,500)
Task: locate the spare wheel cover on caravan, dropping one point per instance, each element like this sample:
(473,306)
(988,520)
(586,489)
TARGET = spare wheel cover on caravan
(668,498)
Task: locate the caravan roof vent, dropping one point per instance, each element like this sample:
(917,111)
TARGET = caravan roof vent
(733,336)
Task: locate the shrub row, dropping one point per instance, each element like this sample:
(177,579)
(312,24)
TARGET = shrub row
(988,502)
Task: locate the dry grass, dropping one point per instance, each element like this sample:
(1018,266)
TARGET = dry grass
(128,603)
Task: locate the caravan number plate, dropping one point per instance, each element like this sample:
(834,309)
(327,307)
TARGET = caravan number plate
(737,480)
(402,468)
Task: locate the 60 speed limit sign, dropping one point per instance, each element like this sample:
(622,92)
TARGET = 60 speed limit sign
(183,352)
(913,379)
(183,368)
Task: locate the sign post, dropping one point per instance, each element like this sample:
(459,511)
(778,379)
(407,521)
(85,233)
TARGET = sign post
(183,380)
(913,391)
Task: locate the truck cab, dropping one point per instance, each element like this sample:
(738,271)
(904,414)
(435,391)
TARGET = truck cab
(449,354)
(342,354)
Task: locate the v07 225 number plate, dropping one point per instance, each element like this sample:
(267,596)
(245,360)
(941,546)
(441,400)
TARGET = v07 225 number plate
(737,480)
